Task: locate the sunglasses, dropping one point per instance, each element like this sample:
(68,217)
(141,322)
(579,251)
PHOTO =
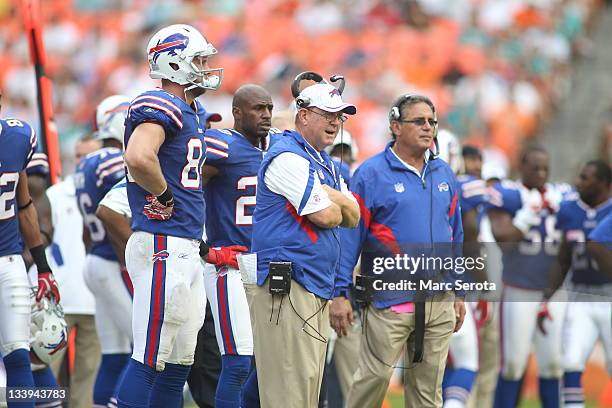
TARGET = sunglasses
(421,122)
(331,118)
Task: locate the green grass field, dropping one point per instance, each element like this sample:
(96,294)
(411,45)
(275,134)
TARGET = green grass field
(397,401)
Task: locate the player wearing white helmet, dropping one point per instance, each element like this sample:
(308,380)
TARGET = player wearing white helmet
(110,118)
(165,150)
(343,152)
(108,282)
(449,150)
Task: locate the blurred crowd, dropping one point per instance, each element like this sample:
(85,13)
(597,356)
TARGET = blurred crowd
(496,69)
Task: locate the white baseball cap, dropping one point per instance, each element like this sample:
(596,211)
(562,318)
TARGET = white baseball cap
(326,97)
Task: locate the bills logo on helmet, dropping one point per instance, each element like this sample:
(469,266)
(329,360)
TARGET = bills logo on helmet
(170,45)
(54,348)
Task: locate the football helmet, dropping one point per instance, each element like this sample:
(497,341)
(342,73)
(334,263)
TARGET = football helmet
(344,137)
(48,332)
(110,117)
(449,150)
(171,53)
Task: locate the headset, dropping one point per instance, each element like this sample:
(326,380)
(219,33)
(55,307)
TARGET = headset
(303,102)
(396,113)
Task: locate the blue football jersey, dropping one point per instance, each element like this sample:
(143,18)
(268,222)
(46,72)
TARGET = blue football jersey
(95,175)
(576,220)
(181,157)
(527,265)
(603,232)
(230,196)
(472,192)
(17,145)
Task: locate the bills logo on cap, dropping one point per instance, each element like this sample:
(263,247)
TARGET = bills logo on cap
(443,186)
(399,187)
(333,92)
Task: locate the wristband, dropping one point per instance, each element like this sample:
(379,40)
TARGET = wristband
(26,205)
(166,198)
(40,259)
(204,248)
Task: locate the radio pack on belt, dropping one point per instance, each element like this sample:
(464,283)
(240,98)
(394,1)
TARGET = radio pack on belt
(280,278)
(363,289)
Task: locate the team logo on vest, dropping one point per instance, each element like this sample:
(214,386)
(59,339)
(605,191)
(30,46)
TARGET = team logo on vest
(443,186)
(399,187)
(321,175)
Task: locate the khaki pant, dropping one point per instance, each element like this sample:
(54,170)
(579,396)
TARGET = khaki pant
(488,362)
(87,360)
(289,353)
(346,351)
(385,336)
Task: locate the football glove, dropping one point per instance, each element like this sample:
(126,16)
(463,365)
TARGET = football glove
(482,312)
(225,256)
(156,210)
(525,218)
(543,314)
(47,286)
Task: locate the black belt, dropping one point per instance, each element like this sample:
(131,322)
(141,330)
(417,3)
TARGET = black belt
(419,330)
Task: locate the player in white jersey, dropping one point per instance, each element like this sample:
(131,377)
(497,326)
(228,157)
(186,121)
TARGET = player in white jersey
(523,216)
(589,309)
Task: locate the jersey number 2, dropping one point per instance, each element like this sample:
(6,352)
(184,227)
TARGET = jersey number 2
(7,206)
(245,201)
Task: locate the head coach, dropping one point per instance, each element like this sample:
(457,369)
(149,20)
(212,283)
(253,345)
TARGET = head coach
(301,202)
(408,199)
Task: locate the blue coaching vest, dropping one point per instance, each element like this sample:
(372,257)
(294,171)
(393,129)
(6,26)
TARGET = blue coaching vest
(281,234)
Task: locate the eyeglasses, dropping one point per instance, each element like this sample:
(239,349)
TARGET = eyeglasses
(420,122)
(341,117)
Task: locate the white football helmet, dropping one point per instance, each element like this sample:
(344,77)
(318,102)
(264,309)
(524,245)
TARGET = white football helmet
(48,331)
(344,137)
(110,117)
(171,52)
(449,150)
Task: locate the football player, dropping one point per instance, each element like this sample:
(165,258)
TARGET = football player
(230,178)
(600,245)
(165,150)
(19,225)
(343,153)
(463,348)
(588,312)
(522,216)
(95,174)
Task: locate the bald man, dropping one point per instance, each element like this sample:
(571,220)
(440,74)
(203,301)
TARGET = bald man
(230,179)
